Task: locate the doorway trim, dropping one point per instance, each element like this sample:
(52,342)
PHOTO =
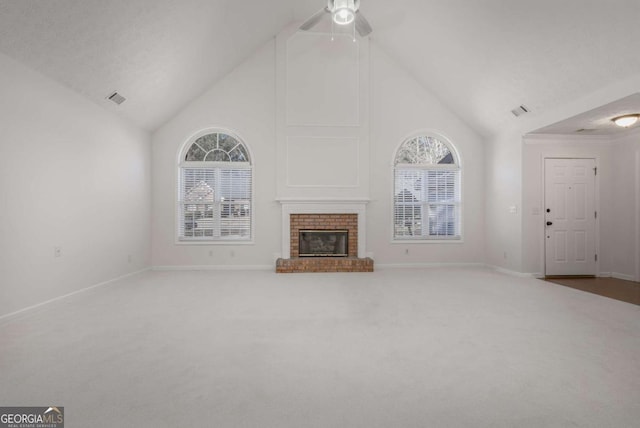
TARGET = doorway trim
(637,215)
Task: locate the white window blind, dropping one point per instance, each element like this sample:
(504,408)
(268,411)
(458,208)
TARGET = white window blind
(215,198)
(427,203)
(426,191)
(215,203)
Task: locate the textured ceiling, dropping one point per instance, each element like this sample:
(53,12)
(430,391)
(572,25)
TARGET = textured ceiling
(486,57)
(159,54)
(480,57)
(597,121)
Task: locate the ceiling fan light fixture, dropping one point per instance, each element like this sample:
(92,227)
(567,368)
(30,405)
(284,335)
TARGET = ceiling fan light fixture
(343,11)
(343,16)
(627,120)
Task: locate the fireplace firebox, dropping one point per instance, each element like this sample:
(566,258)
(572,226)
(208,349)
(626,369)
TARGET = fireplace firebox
(323,243)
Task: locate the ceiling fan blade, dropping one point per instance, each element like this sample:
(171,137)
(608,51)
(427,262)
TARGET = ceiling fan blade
(309,23)
(362,25)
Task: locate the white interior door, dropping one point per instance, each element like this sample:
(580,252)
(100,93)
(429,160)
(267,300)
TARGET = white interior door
(570,217)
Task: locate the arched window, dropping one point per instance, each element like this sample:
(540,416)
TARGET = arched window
(426,201)
(214,190)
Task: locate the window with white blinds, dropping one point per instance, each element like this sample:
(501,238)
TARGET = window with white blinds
(215,190)
(426,191)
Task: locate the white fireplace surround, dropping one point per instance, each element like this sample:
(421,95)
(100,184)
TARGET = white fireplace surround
(323,206)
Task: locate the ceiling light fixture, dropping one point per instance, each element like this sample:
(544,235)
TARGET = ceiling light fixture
(344,11)
(626,121)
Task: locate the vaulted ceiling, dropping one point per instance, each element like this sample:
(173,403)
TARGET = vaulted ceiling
(482,58)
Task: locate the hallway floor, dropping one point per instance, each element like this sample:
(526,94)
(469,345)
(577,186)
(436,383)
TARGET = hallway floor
(619,289)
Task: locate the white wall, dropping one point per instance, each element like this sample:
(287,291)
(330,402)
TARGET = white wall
(322,113)
(244,103)
(625,194)
(401,107)
(503,196)
(72,175)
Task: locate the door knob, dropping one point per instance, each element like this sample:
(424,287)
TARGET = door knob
(549,223)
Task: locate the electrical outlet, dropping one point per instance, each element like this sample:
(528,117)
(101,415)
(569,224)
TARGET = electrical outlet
(406,251)
(57,251)
(129,258)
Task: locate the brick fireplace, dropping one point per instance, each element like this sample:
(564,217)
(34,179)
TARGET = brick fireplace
(329,216)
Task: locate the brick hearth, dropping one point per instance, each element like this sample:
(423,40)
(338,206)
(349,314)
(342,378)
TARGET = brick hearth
(324,264)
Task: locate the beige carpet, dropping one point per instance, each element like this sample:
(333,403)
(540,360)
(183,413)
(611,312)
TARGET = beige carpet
(395,348)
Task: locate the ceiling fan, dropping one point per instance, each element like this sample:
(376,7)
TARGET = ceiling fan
(343,12)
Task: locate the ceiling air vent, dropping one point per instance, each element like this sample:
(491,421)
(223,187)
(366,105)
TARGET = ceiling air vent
(584,130)
(116,98)
(520,110)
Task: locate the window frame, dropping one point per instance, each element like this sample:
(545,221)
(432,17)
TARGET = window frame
(455,166)
(181,163)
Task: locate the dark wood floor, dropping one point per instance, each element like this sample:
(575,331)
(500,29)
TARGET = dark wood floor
(619,289)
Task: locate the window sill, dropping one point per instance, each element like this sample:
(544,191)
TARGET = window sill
(212,242)
(427,241)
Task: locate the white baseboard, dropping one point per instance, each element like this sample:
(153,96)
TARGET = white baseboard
(622,276)
(515,273)
(377,266)
(214,267)
(383,266)
(65,296)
